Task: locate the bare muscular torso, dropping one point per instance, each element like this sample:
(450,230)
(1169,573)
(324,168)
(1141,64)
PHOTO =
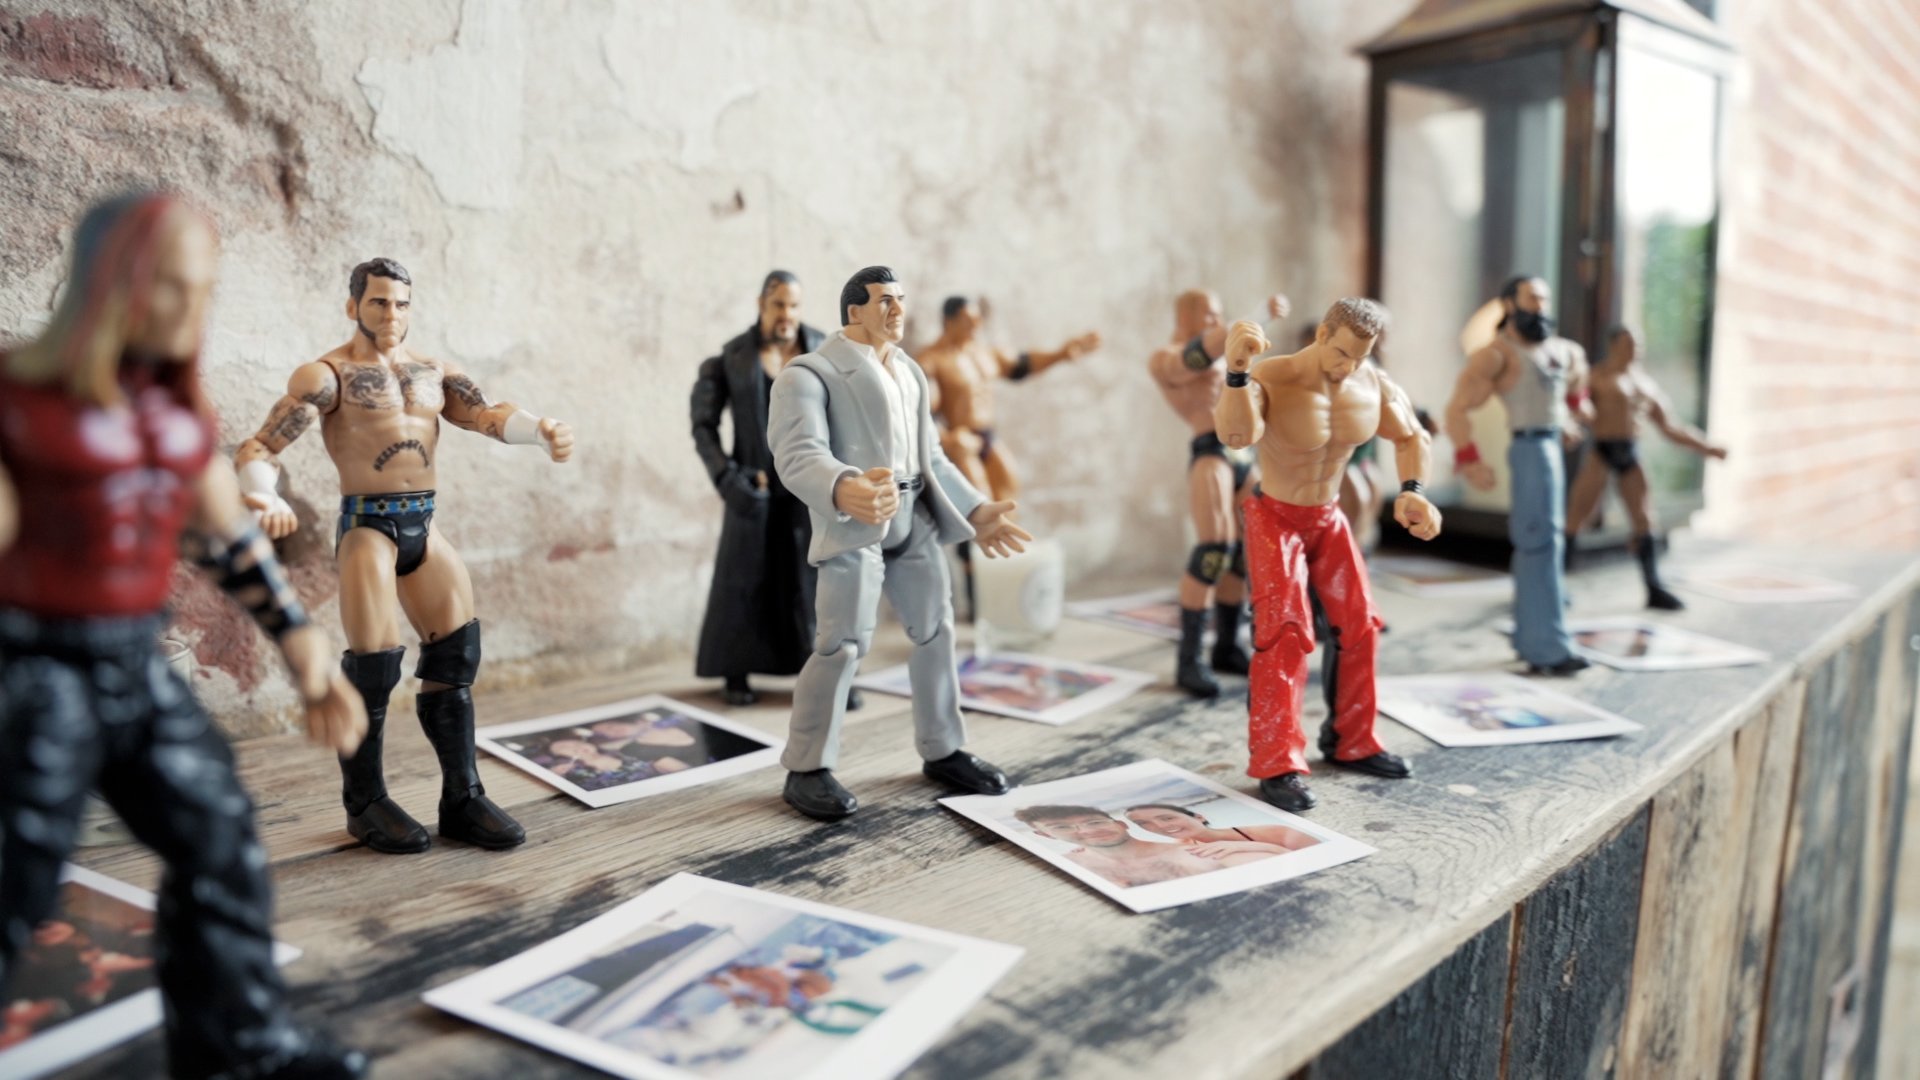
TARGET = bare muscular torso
(964,376)
(1619,398)
(1192,394)
(1313,426)
(384,433)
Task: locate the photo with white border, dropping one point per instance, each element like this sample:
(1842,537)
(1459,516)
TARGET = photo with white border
(1493,708)
(1026,687)
(1155,613)
(1152,835)
(88,900)
(701,978)
(1434,577)
(631,749)
(1744,583)
(1631,643)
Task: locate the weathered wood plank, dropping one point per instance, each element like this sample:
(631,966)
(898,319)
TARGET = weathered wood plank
(1573,967)
(1766,750)
(1187,992)
(1447,1026)
(1886,798)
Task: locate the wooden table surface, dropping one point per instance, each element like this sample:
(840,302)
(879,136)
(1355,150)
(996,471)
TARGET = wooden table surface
(1254,984)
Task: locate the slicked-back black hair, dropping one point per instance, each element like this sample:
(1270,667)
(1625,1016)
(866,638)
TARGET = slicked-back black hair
(855,292)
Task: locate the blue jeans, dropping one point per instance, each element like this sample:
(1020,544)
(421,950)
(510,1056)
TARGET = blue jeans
(1537,526)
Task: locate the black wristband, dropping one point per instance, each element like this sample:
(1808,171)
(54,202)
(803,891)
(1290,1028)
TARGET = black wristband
(1411,487)
(247,570)
(1237,379)
(1022,367)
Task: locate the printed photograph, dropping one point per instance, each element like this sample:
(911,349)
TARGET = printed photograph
(1151,835)
(1425,575)
(1025,687)
(630,749)
(1493,709)
(85,981)
(699,978)
(1633,644)
(1747,584)
(1155,613)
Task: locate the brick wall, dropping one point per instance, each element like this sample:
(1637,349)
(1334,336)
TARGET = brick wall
(1817,344)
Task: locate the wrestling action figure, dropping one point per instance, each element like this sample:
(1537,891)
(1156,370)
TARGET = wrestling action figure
(852,436)
(1621,393)
(760,608)
(1306,413)
(1190,374)
(106,463)
(961,367)
(379,406)
(1539,376)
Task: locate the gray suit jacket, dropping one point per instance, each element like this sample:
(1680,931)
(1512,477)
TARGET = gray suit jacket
(828,419)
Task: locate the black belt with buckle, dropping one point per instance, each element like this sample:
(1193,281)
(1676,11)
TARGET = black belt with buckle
(1535,432)
(910,485)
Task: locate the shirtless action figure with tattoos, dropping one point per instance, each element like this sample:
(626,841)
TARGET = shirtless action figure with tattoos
(379,406)
(1620,393)
(1189,373)
(1306,412)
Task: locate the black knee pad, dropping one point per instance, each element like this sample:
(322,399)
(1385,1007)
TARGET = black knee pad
(454,660)
(1208,562)
(1237,559)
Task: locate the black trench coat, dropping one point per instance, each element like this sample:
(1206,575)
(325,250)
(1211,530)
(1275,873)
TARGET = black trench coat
(760,608)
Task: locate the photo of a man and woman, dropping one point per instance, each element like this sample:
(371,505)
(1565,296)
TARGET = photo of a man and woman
(702,978)
(1493,709)
(1151,835)
(630,749)
(85,980)
(1631,643)
(1024,687)
(1155,613)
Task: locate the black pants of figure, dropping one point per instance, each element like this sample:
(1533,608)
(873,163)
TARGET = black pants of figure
(91,704)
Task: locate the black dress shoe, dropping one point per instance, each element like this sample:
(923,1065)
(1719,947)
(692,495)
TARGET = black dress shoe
(1569,666)
(818,795)
(738,693)
(968,773)
(1392,766)
(386,828)
(479,821)
(854,699)
(1288,791)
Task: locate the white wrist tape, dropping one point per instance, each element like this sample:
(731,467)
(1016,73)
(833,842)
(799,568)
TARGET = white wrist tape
(259,477)
(522,429)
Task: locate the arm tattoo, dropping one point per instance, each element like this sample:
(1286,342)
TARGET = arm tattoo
(403,445)
(463,388)
(323,398)
(369,388)
(288,422)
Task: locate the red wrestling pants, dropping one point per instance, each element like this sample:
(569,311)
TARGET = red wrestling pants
(1288,548)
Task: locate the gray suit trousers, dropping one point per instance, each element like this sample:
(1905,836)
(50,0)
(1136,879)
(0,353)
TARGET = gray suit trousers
(913,576)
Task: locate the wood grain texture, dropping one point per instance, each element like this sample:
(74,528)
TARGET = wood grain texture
(1573,963)
(1886,811)
(1256,984)
(1447,1026)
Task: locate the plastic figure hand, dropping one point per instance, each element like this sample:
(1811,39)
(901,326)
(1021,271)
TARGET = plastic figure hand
(1477,475)
(1278,306)
(1245,341)
(1417,515)
(1717,453)
(276,517)
(872,498)
(994,531)
(1216,849)
(335,716)
(1081,346)
(558,438)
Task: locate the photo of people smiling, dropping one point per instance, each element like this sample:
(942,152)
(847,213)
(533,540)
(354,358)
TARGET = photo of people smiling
(1151,835)
(630,749)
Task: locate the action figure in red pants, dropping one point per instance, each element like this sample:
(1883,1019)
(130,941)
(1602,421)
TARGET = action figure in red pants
(1307,412)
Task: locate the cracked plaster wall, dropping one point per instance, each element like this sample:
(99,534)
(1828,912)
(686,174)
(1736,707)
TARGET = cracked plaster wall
(587,194)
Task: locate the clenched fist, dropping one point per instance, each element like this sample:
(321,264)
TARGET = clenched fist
(1244,342)
(1416,515)
(276,518)
(558,438)
(872,498)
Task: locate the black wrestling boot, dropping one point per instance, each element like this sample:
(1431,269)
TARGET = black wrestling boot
(319,1058)
(968,773)
(372,817)
(1572,665)
(1658,597)
(738,691)
(1191,675)
(465,811)
(819,796)
(854,699)
(1383,764)
(1567,558)
(1288,791)
(1229,655)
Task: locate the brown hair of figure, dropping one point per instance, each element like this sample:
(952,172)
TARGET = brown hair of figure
(1306,412)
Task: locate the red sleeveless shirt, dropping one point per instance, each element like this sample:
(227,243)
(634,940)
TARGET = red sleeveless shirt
(104,494)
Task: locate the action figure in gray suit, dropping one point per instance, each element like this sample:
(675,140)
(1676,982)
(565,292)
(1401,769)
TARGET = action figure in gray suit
(852,437)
